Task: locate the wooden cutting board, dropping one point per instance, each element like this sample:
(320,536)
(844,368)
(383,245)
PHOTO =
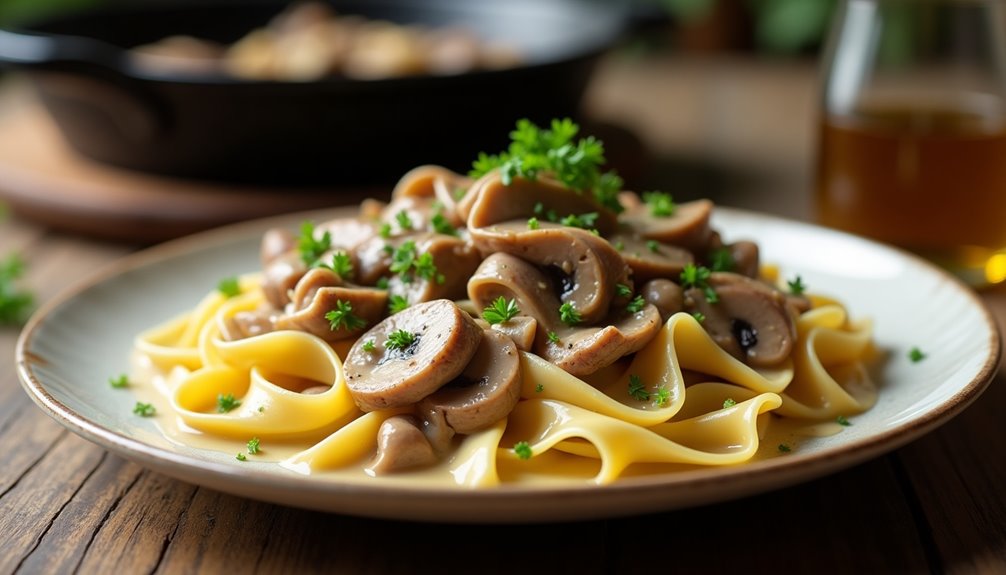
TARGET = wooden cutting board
(43,179)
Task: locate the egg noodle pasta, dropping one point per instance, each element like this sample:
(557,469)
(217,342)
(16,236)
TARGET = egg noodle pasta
(505,330)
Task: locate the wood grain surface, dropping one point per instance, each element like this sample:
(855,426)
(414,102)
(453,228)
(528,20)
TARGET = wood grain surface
(936,505)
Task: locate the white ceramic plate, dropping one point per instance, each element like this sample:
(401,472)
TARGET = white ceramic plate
(75,343)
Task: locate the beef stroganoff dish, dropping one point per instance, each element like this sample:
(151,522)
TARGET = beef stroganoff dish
(528,323)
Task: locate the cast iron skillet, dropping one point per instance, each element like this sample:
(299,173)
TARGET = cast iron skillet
(330,131)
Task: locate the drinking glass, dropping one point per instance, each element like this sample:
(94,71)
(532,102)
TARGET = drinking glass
(912,141)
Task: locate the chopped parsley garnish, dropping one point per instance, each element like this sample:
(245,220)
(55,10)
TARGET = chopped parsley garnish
(403,219)
(699,316)
(532,223)
(619,245)
(500,311)
(407,262)
(569,315)
(623,290)
(584,221)
(553,337)
(144,409)
(636,305)
(227,403)
(783,448)
(693,276)
(119,381)
(343,317)
(916,355)
(14,304)
(522,449)
(368,345)
(400,339)
(653,246)
(382,283)
(574,163)
(539,388)
(397,303)
(637,389)
(843,420)
(541,212)
(442,226)
(728,403)
(241,457)
(459,193)
(663,397)
(229,287)
(660,203)
(385,231)
(721,260)
(342,265)
(311,248)
(796,286)
(261,409)
(252,445)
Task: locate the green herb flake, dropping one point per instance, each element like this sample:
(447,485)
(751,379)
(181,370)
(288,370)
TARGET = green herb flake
(796,286)
(568,314)
(400,339)
(459,193)
(916,355)
(637,389)
(583,221)
(343,317)
(382,283)
(653,246)
(843,421)
(619,245)
(693,276)
(539,388)
(623,290)
(368,346)
(311,248)
(661,204)
(553,337)
(397,303)
(532,223)
(241,457)
(636,305)
(523,450)
(663,397)
(385,230)
(403,220)
(342,265)
(227,402)
(721,260)
(15,304)
(253,445)
(783,448)
(442,226)
(699,316)
(500,311)
(119,381)
(576,163)
(229,287)
(728,403)
(144,409)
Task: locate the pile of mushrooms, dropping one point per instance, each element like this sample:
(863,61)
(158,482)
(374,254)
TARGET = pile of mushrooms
(590,287)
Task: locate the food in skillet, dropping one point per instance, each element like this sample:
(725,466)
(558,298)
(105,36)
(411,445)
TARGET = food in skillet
(530,322)
(309,41)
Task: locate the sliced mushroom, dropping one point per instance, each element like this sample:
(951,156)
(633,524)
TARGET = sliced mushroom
(665,295)
(454,260)
(432,181)
(586,268)
(245,324)
(521,329)
(580,349)
(688,227)
(321,291)
(651,259)
(493,202)
(745,256)
(485,392)
(444,339)
(750,320)
(436,429)
(401,445)
(280,276)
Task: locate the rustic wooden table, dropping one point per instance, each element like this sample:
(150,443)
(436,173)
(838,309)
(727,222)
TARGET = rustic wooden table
(741,131)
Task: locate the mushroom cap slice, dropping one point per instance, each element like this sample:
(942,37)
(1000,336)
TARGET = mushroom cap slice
(687,227)
(746,258)
(455,261)
(280,276)
(752,321)
(445,339)
(584,350)
(247,324)
(665,295)
(510,277)
(589,266)
(521,329)
(318,293)
(491,201)
(651,260)
(431,181)
(485,392)
(401,445)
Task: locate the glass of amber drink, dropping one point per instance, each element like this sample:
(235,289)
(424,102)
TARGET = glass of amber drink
(912,141)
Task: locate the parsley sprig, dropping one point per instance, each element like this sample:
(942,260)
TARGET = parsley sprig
(400,339)
(343,317)
(636,305)
(14,303)
(660,203)
(144,409)
(721,260)
(407,262)
(229,287)
(500,311)
(693,276)
(442,226)
(397,303)
(796,286)
(227,402)
(311,248)
(523,450)
(576,163)
(569,315)
(637,389)
(342,265)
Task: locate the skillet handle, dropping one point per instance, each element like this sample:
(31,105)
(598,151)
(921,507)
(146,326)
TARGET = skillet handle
(92,63)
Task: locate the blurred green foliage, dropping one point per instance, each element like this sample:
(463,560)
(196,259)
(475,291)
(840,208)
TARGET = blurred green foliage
(13,12)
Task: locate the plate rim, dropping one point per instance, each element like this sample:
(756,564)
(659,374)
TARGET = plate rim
(743,480)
